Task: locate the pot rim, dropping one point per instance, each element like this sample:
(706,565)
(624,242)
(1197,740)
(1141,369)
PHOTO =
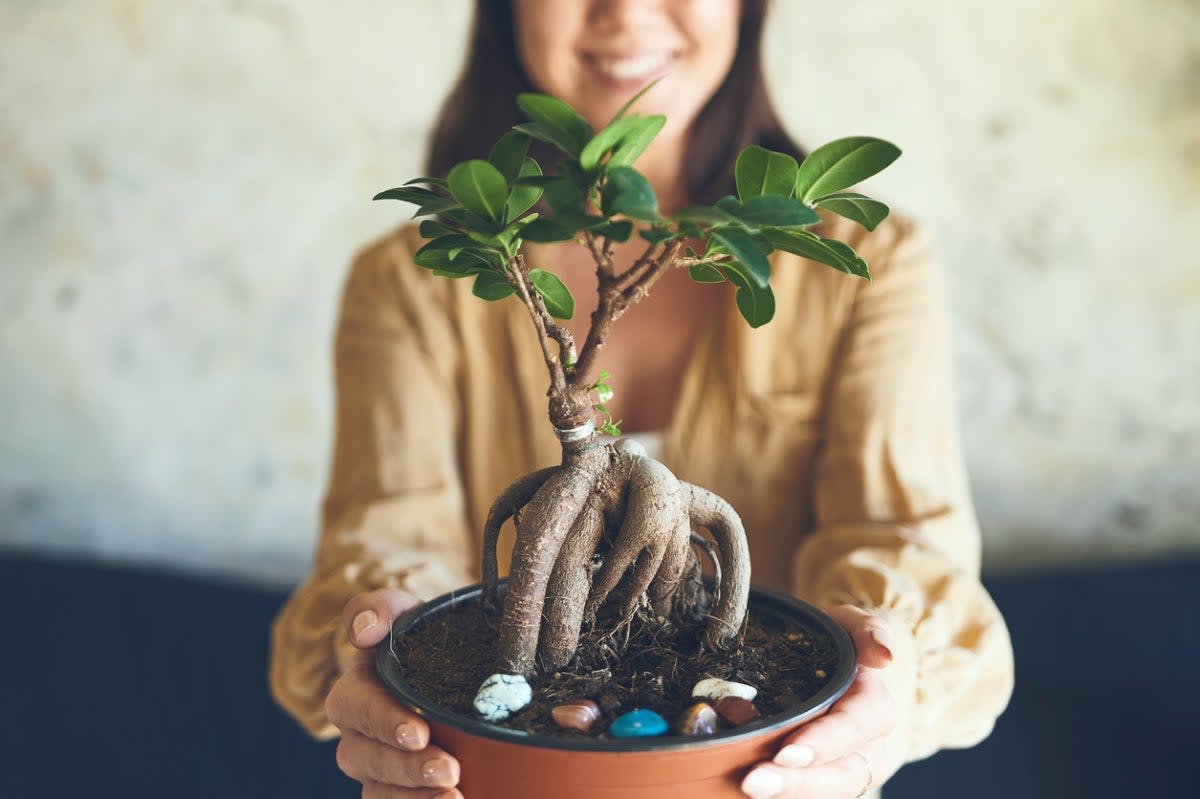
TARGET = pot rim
(844,672)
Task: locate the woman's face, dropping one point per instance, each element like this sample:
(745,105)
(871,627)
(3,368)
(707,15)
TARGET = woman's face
(596,54)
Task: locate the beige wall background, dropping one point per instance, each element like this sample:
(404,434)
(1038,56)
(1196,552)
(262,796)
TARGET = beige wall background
(182,185)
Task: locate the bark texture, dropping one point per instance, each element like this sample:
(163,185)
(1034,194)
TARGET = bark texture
(645,521)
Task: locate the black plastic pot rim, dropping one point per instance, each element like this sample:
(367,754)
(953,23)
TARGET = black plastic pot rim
(839,682)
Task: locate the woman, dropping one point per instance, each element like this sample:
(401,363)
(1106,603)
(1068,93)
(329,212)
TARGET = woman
(831,430)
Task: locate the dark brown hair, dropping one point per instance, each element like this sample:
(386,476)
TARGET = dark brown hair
(481,107)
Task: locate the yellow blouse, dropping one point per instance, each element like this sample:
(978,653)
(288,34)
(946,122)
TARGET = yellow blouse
(832,430)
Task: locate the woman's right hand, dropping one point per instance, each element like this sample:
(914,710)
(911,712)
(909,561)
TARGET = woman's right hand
(384,745)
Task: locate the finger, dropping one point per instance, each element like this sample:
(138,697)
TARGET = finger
(866,713)
(845,778)
(872,635)
(359,703)
(377,790)
(368,617)
(366,760)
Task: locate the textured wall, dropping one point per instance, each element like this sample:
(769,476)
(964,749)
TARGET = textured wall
(181,186)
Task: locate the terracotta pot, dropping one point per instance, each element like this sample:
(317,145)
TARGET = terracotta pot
(500,763)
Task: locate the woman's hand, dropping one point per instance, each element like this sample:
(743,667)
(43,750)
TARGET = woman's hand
(844,753)
(384,745)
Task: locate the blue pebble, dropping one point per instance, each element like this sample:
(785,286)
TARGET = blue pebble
(638,723)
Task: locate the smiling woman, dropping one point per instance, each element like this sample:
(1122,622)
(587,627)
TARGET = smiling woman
(711,87)
(595,60)
(832,430)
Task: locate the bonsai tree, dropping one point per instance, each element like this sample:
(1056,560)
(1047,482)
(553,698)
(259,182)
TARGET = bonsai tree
(607,516)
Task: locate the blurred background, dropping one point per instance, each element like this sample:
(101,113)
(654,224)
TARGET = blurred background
(181,189)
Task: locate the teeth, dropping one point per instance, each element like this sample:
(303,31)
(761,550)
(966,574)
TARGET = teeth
(632,68)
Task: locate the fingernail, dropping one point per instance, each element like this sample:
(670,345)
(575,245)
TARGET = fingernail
(408,737)
(364,621)
(763,783)
(796,756)
(435,772)
(884,639)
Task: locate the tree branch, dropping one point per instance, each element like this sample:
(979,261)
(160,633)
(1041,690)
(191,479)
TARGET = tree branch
(519,278)
(616,296)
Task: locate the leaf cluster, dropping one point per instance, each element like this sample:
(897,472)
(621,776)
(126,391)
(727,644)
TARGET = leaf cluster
(484,209)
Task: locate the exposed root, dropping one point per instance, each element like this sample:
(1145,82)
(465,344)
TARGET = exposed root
(549,517)
(568,588)
(714,514)
(511,500)
(564,514)
(652,511)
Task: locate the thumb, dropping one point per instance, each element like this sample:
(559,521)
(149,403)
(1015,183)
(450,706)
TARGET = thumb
(871,634)
(368,617)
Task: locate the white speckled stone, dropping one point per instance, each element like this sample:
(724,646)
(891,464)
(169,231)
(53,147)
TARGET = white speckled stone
(714,689)
(501,695)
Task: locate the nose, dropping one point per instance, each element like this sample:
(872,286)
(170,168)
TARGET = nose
(608,15)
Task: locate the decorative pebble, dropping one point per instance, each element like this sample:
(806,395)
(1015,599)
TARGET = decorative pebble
(501,695)
(716,689)
(821,674)
(699,719)
(640,723)
(736,710)
(579,715)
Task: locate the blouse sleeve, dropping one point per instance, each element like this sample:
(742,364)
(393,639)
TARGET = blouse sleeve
(394,511)
(895,531)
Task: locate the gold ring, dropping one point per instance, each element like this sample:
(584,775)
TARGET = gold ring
(870,774)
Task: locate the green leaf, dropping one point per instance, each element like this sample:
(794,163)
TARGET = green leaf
(761,171)
(656,235)
(706,273)
(563,196)
(432,228)
(568,130)
(604,393)
(618,231)
(706,215)
(441,205)
(815,248)
(776,210)
(480,188)
(755,303)
(508,154)
(748,258)
(522,198)
(841,164)
(409,194)
(441,258)
(554,293)
(728,203)
(453,243)
(605,140)
(626,191)
(857,207)
(469,221)
(492,286)
(611,429)
(431,181)
(637,140)
(549,230)
(536,131)
(625,108)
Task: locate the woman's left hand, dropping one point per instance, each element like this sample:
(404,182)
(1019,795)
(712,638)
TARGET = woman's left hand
(844,753)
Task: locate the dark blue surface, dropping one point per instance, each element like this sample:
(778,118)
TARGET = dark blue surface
(131,683)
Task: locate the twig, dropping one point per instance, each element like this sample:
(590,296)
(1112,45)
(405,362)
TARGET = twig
(519,278)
